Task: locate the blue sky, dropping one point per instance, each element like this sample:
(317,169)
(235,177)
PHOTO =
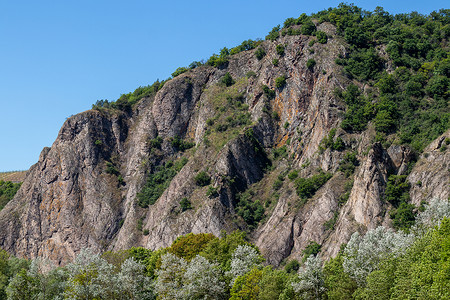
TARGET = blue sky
(59,57)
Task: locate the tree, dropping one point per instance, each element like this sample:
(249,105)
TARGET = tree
(202,280)
(311,283)
(90,277)
(363,253)
(169,283)
(133,282)
(246,286)
(243,260)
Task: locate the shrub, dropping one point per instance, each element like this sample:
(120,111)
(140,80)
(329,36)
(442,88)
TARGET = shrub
(313,248)
(158,181)
(260,53)
(321,37)
(293,175)
(185,204)
(269,93)
(202,179)
(155,143)
(179,71)
(179,144)
(274,33)
(275,62)
(250,210)
(307,187)
(310,63)
(280,82)
(212,192)
(280,49)
(308,28)
(227,80)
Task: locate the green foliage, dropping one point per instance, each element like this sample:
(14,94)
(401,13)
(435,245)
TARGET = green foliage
(247,286)
(126,101)
(220,60)
(185,204)
(212,192)
(179,71)
(397,190)
(307,187)
(221,250)
(308,27)
(310,64)
(280,49)
(202,179)
(275,62)
(7,191)
(158,181)
(338,283)
(332,143)
(111,169)
(312,248)
(292,266)
(260,53)
(251,210)
(227,80)
(321,37)
(293,175)
(244,46)
(403,217)
(269,93)
(179,144)
(155,143)
(274,33)
(280,82)
(348,164)
(280,152)
(360,109)
(422,272)
(190,245)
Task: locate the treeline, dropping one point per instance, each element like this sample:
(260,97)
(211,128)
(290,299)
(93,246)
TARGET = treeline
(382,264)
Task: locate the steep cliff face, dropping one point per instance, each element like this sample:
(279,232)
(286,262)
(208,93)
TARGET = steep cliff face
(83,191)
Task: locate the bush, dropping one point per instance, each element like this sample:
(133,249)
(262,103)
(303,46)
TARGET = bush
(179,144)
(227,80)
(269,93)
(274,33)
(275,62)
(185,204)
(212,192)
(202,179)
(308,28)
(260,53)
(158,181)
(310,64)
(321,37)
(280,82)
(313,248)
(307,187)
(280,49)
(250,210)
(179,71)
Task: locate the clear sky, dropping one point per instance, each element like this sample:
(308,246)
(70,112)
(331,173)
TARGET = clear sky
(58,57)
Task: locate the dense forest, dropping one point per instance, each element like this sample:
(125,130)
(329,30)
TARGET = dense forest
(399,66)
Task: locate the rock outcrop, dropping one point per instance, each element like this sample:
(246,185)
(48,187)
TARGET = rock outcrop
(83,190)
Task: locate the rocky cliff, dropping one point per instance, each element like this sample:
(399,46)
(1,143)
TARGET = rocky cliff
(83,191)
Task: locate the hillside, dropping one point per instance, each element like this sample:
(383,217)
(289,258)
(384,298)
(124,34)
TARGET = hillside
(338,122)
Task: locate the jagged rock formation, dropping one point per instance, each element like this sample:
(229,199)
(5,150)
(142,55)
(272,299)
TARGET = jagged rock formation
(83,190)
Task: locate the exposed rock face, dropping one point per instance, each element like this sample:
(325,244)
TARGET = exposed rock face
(83,190)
